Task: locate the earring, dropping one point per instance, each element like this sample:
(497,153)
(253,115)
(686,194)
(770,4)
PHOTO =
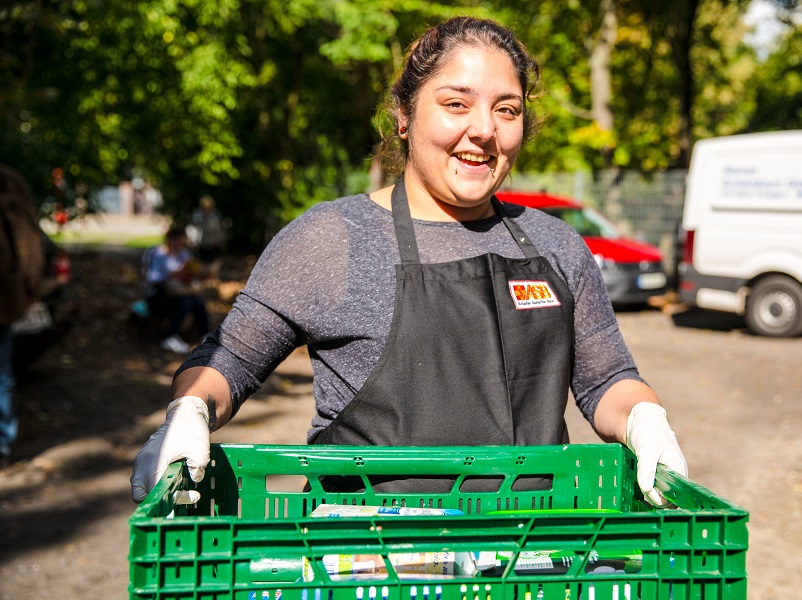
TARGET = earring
(402,130)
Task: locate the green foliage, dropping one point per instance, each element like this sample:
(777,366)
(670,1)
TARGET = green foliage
(777,85)
(269,106)
(724,66)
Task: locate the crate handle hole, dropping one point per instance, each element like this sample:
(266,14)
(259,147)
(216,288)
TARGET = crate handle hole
(540,482)
(481,484)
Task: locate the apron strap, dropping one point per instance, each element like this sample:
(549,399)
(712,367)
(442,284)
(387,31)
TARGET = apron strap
(405,233)
(524,243)
(402,219)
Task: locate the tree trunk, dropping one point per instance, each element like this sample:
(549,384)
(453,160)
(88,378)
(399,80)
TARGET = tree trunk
(600,78)
(681,36)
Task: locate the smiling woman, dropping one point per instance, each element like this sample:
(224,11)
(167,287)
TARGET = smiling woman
(434,314)
(463,135)
(459,117)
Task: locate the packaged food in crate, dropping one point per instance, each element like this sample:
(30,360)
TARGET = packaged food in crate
(514,523)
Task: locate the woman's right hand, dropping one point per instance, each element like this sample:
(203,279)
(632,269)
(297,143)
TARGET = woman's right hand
(183,435)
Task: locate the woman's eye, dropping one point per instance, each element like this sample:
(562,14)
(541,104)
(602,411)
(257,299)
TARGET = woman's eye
(509,110)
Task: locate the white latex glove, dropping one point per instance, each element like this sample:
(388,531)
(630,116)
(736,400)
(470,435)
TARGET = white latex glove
(184,434)
(652,440)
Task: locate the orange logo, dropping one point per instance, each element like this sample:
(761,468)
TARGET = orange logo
(532,294)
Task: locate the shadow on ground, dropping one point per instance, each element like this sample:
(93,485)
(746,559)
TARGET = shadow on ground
(699,318)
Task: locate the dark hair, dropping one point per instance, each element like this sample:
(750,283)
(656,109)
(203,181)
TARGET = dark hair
(175,232)
(13,184)
(424,59)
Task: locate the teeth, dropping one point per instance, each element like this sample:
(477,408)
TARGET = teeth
(473,157)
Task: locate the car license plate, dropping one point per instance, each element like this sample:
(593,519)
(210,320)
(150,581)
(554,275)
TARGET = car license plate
(651,281)
(36,319)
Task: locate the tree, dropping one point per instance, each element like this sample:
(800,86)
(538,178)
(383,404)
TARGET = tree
(778,81)
(265,105)
(269,106)
(628,83)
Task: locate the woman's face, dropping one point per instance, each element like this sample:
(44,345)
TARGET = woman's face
(465,132)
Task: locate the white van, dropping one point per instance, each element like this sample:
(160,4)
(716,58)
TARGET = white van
(742,224)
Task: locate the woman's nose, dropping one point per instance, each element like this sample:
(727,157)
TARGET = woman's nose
(482,126)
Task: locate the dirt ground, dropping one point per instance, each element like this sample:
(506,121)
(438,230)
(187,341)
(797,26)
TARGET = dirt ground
(89,403)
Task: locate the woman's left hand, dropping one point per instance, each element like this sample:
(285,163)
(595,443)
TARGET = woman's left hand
(653,441)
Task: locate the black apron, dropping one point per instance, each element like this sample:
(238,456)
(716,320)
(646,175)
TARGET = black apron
(480,352)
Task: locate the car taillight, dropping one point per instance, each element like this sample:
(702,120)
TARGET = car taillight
(62,268)
(687,248)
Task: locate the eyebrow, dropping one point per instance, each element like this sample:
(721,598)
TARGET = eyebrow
(471,92)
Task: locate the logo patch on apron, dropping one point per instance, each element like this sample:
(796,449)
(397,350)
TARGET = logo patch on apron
(532,294)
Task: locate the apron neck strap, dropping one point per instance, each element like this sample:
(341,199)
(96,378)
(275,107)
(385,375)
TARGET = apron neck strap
(402,219)
(524,243)
(404,231)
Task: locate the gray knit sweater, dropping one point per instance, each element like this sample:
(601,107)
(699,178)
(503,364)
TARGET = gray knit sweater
(328,280)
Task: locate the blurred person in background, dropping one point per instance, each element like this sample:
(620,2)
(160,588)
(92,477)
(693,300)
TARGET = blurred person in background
(209,231)
(171,276)
(22,263)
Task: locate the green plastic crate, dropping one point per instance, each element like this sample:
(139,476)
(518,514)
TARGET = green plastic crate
(252,520)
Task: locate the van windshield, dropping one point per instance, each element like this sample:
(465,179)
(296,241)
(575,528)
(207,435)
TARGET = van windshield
(586,221)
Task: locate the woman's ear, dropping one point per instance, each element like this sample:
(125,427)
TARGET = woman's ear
(403,125)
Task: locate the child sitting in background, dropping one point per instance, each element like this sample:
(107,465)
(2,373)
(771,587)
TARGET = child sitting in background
(171,276)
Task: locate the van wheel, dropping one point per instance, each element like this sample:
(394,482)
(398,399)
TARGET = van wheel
(774,307)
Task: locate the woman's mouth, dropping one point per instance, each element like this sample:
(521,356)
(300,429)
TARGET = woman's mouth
(473,160)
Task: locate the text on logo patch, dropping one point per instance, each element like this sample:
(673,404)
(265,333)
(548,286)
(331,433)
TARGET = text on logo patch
(532,294)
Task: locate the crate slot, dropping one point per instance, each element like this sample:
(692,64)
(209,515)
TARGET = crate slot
(478,483)
(533,482)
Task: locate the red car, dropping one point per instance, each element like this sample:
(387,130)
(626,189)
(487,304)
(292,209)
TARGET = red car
(632,270)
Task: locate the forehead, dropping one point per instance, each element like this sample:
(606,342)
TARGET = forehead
(490,66)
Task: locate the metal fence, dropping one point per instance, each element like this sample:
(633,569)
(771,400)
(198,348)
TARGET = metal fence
(647,206)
